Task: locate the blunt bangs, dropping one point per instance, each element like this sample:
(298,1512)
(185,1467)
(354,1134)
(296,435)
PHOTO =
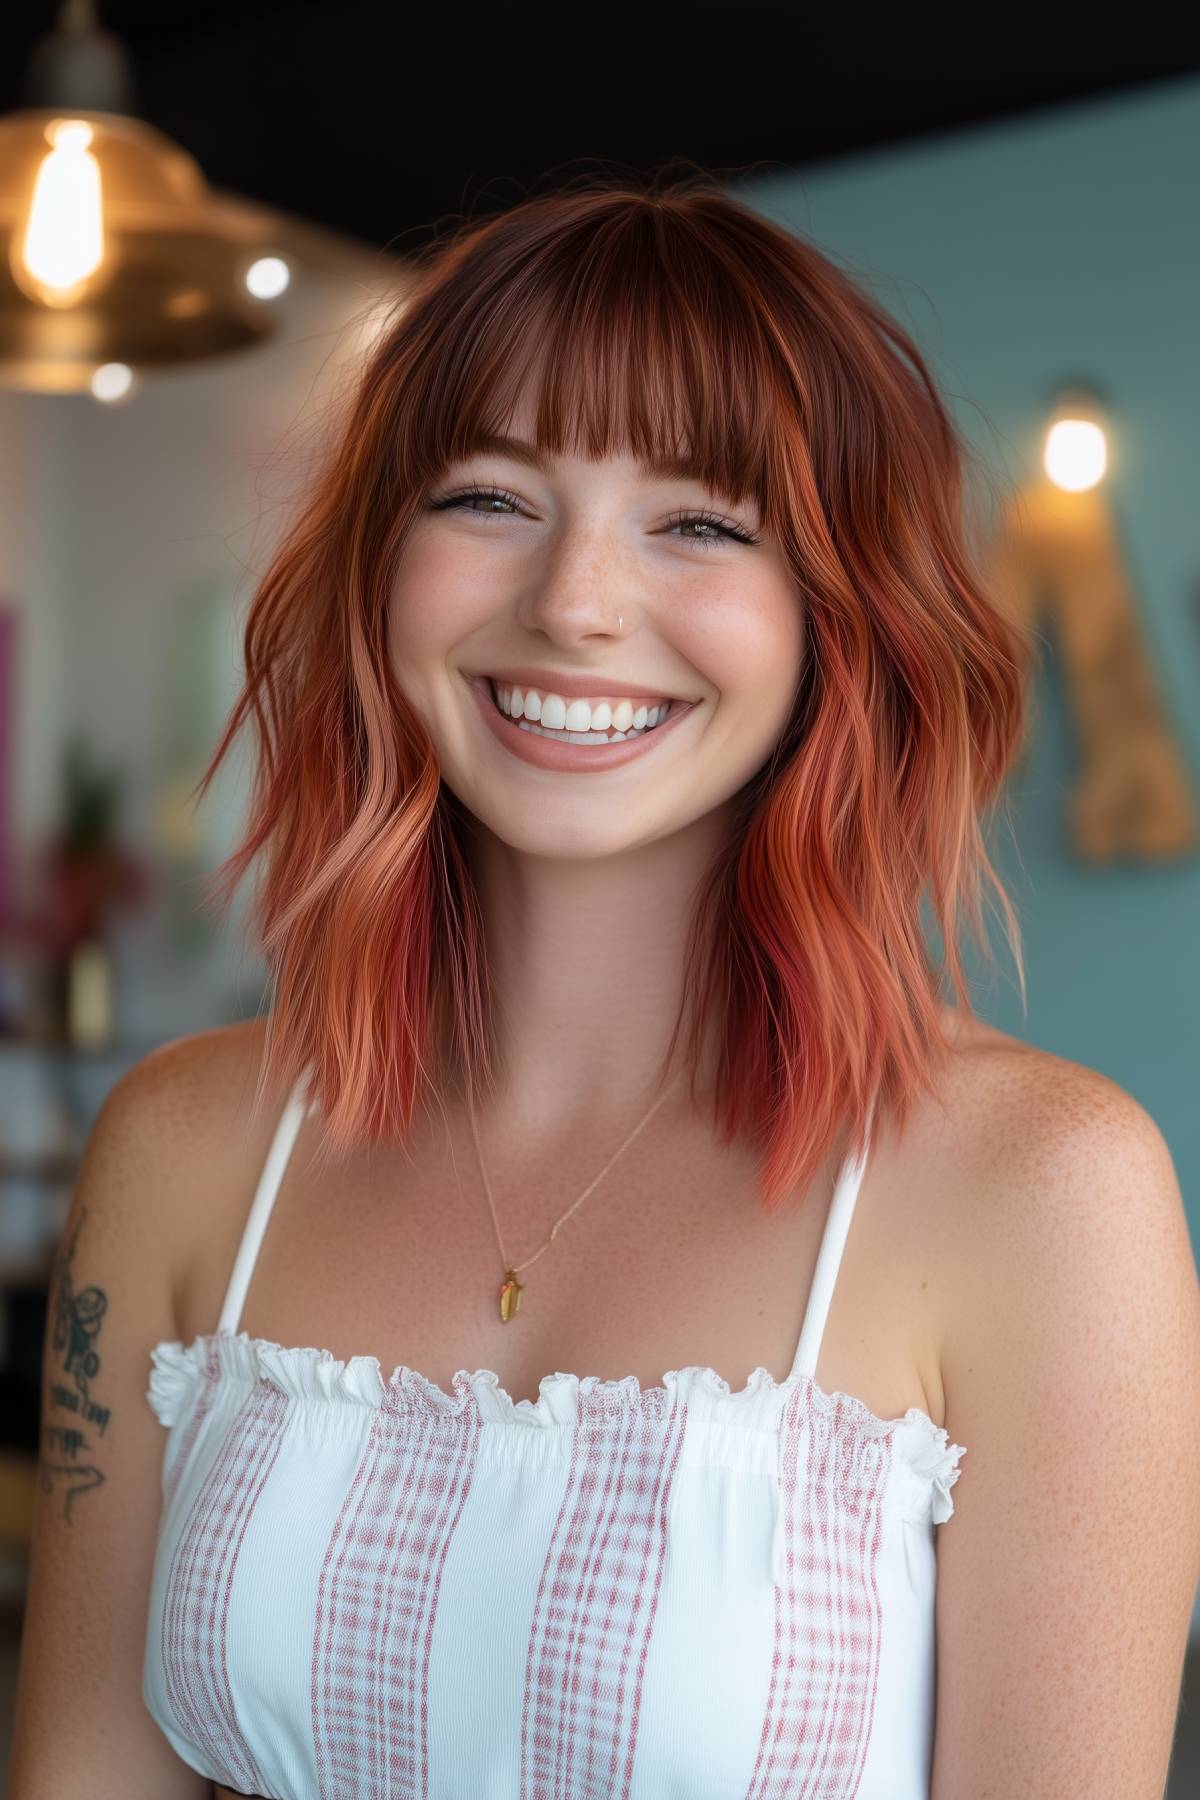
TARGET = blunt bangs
(630,344)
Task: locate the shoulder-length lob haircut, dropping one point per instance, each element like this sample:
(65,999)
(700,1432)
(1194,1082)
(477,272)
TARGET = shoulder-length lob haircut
(672,321)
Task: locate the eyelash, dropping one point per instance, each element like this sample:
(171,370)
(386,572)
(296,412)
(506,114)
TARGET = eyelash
(733,532)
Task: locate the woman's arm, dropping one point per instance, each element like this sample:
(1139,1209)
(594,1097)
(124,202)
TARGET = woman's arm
(81,1726)
(1072,1366)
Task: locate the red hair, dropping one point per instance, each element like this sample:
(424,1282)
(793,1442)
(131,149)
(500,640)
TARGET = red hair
(668,319)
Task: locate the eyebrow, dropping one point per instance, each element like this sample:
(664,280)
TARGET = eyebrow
(487,443)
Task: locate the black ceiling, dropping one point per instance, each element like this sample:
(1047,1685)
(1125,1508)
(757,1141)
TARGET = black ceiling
(384,120)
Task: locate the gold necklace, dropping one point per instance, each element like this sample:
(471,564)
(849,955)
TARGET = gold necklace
(510,1288)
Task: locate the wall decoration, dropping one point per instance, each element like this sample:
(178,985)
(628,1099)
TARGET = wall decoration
(1058,548)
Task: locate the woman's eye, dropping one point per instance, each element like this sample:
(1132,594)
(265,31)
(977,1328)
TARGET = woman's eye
(712,530)
(711,527)
(491,494)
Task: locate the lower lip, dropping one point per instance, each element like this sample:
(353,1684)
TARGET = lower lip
(571,759)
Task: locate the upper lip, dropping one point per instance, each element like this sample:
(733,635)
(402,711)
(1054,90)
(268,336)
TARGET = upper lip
(578,687)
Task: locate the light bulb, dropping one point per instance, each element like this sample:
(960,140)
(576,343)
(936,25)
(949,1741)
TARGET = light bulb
(64,237)
(1076,454)
(267,277)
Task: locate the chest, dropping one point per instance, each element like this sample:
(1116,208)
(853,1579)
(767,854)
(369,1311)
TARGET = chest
(671,1261)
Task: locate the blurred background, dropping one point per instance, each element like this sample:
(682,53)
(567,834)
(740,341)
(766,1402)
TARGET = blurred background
(203,208)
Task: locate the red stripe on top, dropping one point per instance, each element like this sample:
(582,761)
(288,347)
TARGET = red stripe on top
(816,1727)
(597,1598)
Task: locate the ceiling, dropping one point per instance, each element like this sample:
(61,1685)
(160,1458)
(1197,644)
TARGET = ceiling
(385,122)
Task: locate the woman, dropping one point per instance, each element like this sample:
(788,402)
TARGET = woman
(621,689)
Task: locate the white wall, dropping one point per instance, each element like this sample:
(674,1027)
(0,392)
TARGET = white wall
(31,578)
(124,530)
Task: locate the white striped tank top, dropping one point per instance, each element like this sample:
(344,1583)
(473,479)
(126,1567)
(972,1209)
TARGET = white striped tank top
(367,1588)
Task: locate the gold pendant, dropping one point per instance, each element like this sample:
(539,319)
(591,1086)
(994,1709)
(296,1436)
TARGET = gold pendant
(510,1296)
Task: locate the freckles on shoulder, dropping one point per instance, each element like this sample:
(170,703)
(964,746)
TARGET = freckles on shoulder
(1073,1372)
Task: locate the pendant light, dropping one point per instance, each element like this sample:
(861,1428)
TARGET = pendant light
(113,249)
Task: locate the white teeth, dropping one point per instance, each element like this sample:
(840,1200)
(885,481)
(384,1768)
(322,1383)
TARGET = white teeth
(578,723)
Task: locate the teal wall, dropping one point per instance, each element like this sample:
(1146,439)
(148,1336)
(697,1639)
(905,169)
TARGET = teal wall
(1061,245)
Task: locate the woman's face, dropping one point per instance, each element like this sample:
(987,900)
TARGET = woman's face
(534,581)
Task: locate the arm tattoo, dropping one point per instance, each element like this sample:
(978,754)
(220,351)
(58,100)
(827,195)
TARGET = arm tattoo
(78,1315)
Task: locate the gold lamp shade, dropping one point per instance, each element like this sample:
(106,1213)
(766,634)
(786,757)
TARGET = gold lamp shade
(168,281)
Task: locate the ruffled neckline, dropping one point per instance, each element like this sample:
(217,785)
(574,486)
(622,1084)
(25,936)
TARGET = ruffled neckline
(311,1375)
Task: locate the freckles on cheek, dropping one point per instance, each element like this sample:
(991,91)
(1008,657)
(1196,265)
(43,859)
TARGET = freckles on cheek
(774,636)
(748,641)
(438,601)
(421,621)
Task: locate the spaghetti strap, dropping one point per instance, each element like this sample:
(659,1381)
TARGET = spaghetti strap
(829,1257)
(286,1132)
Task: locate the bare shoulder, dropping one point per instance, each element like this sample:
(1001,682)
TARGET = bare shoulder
(180,1086)
(1024,1141)
(191,1120)
(1071,1369)
(1037,1169)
